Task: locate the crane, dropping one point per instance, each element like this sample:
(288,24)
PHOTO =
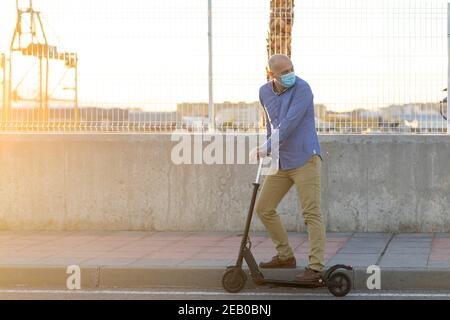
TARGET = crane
(30,40)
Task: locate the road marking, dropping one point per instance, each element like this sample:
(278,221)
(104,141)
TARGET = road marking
(213,293)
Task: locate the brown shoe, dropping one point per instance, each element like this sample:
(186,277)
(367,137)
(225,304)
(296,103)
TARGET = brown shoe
(276,263)
(309,275)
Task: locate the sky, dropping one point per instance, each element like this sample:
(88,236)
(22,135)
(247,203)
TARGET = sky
(153,54)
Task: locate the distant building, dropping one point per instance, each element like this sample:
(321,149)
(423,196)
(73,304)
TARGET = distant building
(192,109)
(227,114)
(162,117)
(320,110)
(324,126)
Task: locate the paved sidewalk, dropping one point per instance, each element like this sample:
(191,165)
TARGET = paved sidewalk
(125,252)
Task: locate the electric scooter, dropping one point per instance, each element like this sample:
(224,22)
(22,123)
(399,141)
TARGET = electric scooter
(234,278)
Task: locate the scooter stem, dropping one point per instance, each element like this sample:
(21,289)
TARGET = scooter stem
(258,175)
(249,216)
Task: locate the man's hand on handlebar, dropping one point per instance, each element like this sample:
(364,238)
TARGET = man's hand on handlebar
(256,154)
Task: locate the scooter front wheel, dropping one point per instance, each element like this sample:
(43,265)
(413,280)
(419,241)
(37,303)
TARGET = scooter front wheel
(234,280)
(339,284)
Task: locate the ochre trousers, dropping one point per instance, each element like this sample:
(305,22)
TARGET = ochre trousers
(307,183)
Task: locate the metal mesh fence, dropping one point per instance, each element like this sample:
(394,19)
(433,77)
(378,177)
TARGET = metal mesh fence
(375,66)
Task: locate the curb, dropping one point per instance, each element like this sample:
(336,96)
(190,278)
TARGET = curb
(200,277)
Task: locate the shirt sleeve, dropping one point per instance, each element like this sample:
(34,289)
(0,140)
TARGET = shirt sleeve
(266,117)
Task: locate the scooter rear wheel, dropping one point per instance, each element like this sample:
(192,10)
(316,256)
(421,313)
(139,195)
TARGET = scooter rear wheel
(339,284)
(234,280)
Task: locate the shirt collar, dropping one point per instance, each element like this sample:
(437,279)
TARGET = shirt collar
(273,88)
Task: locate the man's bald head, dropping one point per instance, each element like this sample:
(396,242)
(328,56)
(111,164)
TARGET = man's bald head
(279,64)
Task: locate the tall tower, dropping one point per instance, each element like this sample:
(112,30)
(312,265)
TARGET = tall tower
(280,27)
(30,40)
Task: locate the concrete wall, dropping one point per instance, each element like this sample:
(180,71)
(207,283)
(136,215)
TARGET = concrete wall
(128,182)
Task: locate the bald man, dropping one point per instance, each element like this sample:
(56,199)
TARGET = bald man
(288,103)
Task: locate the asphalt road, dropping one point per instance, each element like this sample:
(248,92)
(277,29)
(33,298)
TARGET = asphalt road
(190,294)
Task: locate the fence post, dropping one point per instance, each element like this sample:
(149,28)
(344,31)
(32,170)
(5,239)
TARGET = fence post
(211,113)
(448,67)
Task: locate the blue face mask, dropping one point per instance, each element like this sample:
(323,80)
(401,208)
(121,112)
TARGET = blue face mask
(288,80)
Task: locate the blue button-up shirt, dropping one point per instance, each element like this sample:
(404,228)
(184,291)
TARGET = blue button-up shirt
(291,119)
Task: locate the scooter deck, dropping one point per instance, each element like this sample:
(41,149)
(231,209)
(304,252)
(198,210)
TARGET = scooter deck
(298,284)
